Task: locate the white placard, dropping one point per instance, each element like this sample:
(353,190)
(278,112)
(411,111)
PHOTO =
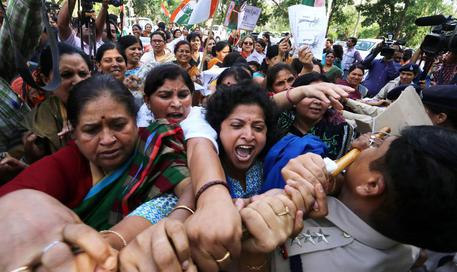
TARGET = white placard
(209,76)
(407,110)
(308,26)
(247,18)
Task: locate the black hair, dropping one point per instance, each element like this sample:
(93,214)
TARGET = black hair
(105,47)
(309,78)
(255,64)
(160,33)
(161,25)
(233,58)
(157,76)
(262,43)
(178,44)
(273,73)
(330,51)
(267,35)
(451,115)
(137,25)
(238,72)
(176,30)
(419,205)
(353,39)
(193,35)
(356,66)
(297,65)
(288,41)
(407,54)
(318,63)
(226,98)
(90,89)
(63,48)
(272,52)
(125,41)
(338,51)
(330,40)
(219,46)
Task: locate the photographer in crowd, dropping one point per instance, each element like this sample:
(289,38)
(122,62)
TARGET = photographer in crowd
(69,36)
(381,71)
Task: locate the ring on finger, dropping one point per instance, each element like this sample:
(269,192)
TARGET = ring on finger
(285,212)
(226,256)
(51,245)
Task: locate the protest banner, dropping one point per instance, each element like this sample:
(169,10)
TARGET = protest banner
(308,26)
(208,76)
(247,18)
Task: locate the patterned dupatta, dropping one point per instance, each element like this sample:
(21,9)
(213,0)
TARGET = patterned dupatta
(157,165)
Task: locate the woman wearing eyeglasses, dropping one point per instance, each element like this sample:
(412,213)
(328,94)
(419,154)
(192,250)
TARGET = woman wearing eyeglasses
(247,46)
(158,55)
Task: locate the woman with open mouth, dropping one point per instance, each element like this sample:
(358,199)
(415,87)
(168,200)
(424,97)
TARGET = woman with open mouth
(167,94)
(244,118)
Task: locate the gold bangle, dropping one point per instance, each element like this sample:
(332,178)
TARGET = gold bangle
(124,242)
(183,207)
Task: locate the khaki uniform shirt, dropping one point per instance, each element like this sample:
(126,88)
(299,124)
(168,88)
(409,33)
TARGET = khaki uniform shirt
(382,94)
(343,242)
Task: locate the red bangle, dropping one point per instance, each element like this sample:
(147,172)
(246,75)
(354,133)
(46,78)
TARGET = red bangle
(288,97)
(207,185)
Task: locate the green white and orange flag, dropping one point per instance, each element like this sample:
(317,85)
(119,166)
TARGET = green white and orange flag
(231,16)
(182,13)
(203,10)
(165,10)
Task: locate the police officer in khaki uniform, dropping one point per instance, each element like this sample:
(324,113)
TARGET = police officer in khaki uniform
(343,242)
(388,198)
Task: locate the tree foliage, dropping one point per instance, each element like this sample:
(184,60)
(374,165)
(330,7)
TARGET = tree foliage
(398,16)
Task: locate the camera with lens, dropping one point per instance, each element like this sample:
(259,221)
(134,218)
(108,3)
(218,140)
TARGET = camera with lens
(87,5)
(115,3)
(388,46)
(442,37)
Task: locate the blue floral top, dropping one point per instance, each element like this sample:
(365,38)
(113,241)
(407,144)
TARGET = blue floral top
(160,207)
(254,179)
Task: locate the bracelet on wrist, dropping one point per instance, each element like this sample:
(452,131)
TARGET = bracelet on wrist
(288,97)
(208,185)
(117,234)
(183,207)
